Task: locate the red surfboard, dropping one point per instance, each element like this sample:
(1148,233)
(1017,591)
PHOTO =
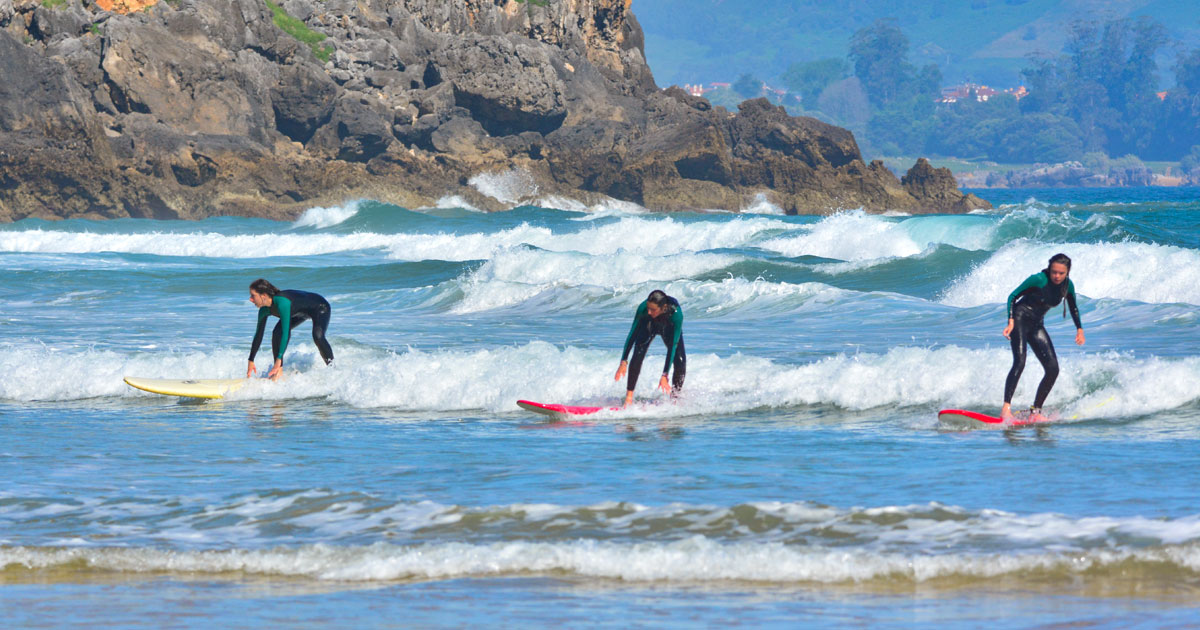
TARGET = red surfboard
(962,417)
(561,410)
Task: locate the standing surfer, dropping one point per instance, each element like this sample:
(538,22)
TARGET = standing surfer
(1027,307)
(292,308)
(659,315)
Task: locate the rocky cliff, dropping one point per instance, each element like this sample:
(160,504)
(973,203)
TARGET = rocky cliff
(191,108)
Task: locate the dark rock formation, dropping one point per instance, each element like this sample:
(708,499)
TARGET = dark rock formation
(1064,174)
(925,182)
(192,108)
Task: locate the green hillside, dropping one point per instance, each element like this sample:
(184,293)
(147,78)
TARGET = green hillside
(985,41)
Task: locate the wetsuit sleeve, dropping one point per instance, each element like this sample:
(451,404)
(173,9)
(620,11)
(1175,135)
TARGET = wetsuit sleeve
(1035,281)
(1071,304)
(258,332)
(637,318)
(285,322)
(677,324)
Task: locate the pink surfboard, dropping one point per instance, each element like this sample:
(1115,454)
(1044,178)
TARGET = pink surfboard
(964,418)
(560,410)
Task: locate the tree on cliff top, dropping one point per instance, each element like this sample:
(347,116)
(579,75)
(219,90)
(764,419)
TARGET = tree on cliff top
(748,86)
(811,78)
(902,96)
(880,56)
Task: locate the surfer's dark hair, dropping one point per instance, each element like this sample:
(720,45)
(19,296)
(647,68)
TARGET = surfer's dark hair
(660,299)
(1061,259)
(262,287)
(1064,260)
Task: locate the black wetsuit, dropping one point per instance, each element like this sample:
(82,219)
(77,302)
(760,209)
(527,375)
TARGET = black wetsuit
(1027,306)
(294,308)
(643,331)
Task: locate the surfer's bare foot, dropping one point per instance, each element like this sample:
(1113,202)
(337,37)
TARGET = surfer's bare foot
(628,399)
(1006,412)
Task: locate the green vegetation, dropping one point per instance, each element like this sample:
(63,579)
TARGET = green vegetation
(982,41)
(1101,98)
(54,4)
(748,86)
(1121,78)
(95,30)
(540,3)
(299,30)
(809,79)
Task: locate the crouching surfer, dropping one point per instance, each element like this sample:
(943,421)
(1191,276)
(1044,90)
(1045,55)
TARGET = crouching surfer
(292,308)
(1027,307)
(659,315)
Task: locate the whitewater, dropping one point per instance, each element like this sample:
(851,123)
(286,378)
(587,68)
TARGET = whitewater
(800,477)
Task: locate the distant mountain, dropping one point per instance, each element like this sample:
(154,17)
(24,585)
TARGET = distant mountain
(984,41)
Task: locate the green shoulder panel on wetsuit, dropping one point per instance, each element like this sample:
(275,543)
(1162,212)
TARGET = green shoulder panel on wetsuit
(637,317)
(677,323)
(284,306)
(1036,281)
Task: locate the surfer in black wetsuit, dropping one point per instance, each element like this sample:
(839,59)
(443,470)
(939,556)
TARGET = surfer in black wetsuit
(1027,307)
(292,308)
(659,315)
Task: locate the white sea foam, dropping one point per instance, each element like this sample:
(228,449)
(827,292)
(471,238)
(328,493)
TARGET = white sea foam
(609,207)
(1104,385)
(198,244)
(634,234)
(249,520)
(665,236)
(762,205)
(1127,271)
(513,276)
(695,559)
(510,186)
(730,294)
(858,236)
(327,217)
(452,202)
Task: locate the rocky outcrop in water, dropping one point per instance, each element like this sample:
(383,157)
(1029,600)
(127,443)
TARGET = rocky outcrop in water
(193,108)
(1064,174)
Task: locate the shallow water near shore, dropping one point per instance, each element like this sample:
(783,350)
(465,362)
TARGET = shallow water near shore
(801,478)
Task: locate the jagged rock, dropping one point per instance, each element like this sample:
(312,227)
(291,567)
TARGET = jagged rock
(206,107)
(358,129)
(152,71)
(1192,177)
(509,87)
(938,187)
(460,136)
(40,97)
(51,25)
(303,100)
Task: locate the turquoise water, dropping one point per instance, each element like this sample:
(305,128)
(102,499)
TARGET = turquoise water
(802,478)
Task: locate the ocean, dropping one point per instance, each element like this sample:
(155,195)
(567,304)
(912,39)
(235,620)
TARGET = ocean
(801,479)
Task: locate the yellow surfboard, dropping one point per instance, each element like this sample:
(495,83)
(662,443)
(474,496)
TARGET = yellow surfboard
(188,388)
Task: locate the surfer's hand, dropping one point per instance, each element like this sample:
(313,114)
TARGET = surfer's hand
(621,370)
(276,370)
(250,370)
(1079,337)
(664,384)
(1008,328)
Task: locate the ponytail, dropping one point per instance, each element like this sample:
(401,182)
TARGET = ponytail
(662,300)
(262,287)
